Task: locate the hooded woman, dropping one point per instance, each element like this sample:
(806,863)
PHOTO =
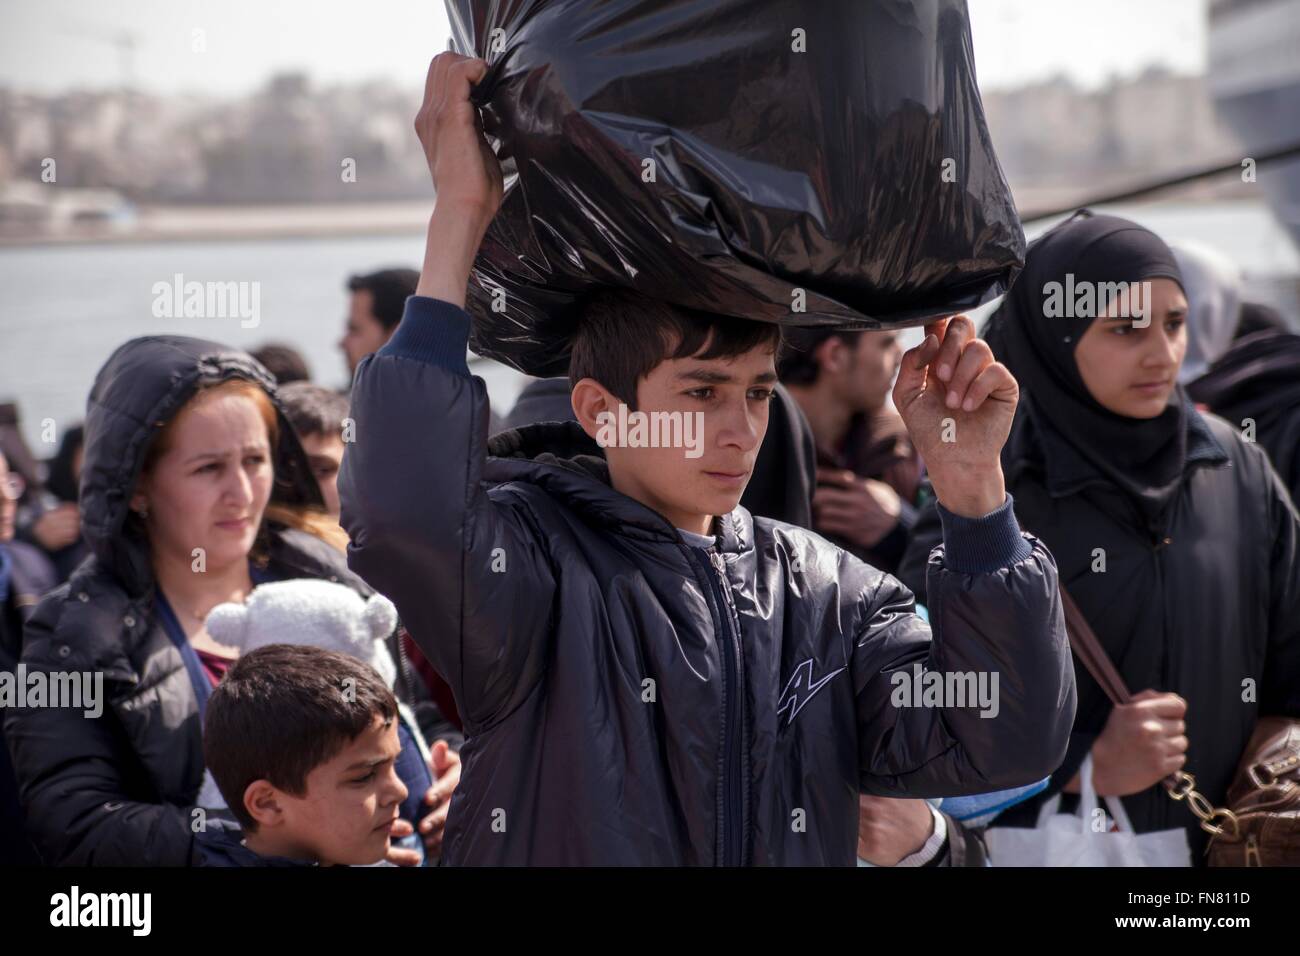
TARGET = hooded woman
(194,489)
(1173,534)
(1212,284)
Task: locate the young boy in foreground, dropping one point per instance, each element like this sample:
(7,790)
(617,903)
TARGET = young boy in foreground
(646,674)
(303,745)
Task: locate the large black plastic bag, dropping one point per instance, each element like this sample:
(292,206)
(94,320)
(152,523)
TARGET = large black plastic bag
(774,170)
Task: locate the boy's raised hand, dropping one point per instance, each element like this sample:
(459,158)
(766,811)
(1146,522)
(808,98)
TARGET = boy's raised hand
(958,405)
(465,171)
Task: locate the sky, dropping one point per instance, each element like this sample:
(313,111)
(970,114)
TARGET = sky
(54,45)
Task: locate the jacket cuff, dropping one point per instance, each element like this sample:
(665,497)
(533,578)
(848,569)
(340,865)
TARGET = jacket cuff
(932,851)
(982,545)
(432,331)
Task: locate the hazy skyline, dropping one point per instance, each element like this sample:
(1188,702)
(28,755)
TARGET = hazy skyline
(56,45)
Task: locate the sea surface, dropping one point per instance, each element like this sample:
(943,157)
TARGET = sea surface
(63,309)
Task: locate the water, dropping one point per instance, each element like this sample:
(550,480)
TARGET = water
(63,309)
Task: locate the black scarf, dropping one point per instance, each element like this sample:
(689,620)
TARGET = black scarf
(1079,438)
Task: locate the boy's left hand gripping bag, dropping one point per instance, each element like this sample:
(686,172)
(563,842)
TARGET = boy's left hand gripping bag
(800,161)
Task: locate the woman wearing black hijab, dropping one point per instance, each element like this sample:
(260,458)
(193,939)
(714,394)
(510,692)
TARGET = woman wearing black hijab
(1174,535)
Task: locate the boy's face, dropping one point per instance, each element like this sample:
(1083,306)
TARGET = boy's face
(722,405)
(325,454)
(347,811)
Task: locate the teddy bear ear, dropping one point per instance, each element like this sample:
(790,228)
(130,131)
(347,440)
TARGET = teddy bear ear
(228,624)
(380,617)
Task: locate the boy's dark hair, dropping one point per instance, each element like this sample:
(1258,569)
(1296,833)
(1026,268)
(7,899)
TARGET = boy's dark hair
(797,362)
(312,409)
(284,362)
(389,289)
(283,710)
(623,335)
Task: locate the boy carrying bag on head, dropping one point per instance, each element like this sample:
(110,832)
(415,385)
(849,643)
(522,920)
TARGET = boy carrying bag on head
(646,673)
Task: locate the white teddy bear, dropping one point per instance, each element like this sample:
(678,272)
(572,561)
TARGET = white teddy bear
(305,611)
(309,611)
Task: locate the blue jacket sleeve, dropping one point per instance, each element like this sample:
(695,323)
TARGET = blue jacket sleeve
(463,565)
(994,654)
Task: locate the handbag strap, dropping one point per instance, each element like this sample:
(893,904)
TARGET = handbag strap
(1180,785)
(1087,648)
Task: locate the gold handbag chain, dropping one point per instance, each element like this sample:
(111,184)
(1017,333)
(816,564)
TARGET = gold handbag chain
(1182,786)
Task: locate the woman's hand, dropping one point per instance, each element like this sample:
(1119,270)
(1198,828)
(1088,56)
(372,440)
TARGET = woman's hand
(1144,741)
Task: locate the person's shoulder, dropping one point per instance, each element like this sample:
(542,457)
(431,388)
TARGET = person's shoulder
(80,624)
(796,538)
(300,553)
(1222,429)
(1237,442)
(220,843)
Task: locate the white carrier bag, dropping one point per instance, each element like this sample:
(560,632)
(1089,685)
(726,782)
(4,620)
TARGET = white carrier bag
(1067,839)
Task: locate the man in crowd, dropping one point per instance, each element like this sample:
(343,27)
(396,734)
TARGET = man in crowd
(867,469)
(374,309)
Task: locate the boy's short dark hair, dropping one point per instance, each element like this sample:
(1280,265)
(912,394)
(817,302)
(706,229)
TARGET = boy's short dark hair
(622,336)
(389,289)
(312,409)
(283,710)
(284,362)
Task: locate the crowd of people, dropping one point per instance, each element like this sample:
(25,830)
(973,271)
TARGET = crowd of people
(380,624)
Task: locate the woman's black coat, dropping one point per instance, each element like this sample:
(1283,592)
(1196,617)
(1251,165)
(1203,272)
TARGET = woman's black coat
(119,789)
(1221,627)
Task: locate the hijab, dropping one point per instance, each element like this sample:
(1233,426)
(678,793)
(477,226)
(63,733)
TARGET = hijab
(1143,458)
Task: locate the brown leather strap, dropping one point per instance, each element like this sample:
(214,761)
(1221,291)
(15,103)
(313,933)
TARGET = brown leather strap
(1180,785)
(1091,654)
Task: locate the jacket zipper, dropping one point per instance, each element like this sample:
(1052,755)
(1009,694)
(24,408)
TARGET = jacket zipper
(733,687)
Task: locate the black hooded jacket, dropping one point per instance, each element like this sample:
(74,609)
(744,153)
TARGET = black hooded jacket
(632,699)
(118,789)
(1220,627)
(1258,379)
(1174,536)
